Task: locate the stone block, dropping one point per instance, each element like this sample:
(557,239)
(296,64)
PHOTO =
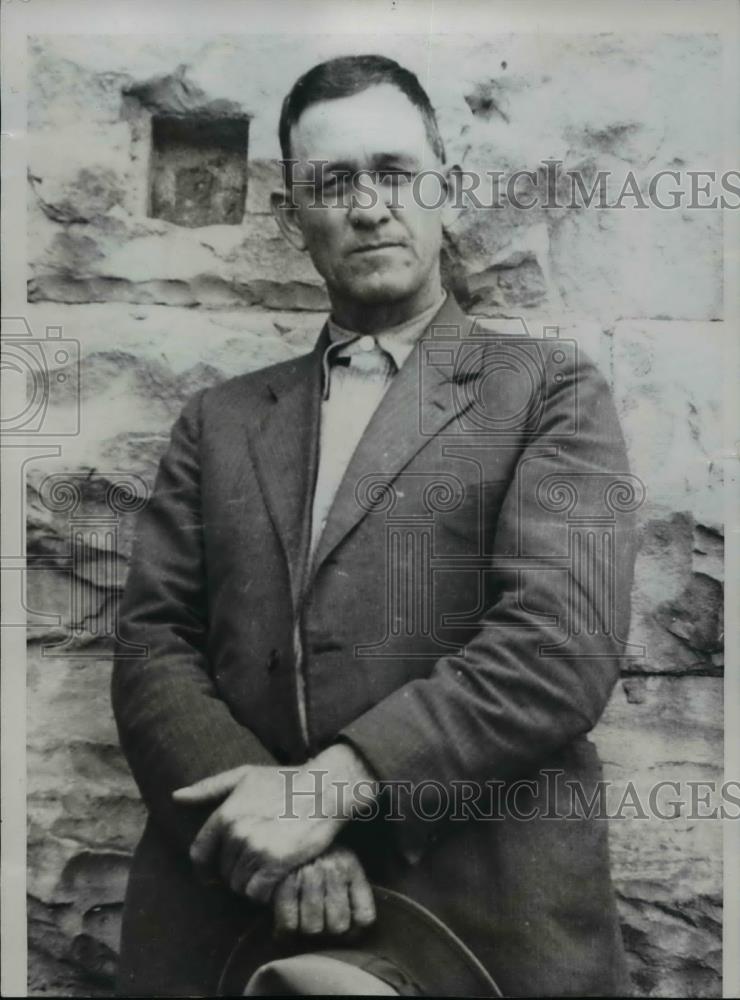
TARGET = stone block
(84,816)
(667,872)
(668,384)
(78,173)
(677,602)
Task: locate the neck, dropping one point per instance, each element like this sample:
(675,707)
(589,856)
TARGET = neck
(374,317)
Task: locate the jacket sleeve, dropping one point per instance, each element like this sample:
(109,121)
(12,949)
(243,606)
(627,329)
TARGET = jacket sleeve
(173,725)
(511,697)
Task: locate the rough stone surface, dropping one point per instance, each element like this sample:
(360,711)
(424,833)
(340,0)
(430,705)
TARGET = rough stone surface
(159,310)
(667,871)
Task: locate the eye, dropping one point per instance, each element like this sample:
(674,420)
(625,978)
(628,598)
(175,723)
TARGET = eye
(336,180)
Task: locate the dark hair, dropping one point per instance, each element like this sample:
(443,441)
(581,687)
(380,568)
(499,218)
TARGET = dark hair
(348,75)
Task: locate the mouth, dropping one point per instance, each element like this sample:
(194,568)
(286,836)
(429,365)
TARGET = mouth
(377,246)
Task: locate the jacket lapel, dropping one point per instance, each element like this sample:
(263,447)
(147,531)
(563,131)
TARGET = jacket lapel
(419,402)
(286,451)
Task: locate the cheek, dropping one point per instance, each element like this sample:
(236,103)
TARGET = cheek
(320,223)
(323,242)
(426,229)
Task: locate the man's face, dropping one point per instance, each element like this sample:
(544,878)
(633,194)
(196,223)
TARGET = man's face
(369,237)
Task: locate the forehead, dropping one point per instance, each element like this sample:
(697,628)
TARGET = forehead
(380,121)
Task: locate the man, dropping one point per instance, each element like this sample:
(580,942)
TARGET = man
(361,564)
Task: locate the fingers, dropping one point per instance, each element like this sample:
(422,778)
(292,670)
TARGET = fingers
(217,786)
(329,895)
(361,899)
(285,905)
(262,884)
(337,908)
(224,845)
(203,848)
(245,864)
(311,906)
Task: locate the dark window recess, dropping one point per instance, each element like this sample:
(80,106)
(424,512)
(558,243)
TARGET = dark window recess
(199,170)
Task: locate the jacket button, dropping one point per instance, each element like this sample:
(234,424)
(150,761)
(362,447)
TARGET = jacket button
(273,660)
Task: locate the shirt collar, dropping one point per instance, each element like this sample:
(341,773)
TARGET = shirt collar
(397,340)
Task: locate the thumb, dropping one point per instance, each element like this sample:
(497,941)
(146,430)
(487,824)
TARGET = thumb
(217,786)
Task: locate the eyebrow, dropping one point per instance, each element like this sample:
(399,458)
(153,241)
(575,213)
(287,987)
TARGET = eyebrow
(378,160)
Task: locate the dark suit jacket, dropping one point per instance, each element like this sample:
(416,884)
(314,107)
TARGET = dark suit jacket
(462,622)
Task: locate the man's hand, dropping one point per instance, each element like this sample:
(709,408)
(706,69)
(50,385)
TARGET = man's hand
(272,820)
(249,837)
(330,895)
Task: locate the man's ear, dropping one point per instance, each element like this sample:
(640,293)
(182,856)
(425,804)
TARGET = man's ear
(455,192)
(286,216)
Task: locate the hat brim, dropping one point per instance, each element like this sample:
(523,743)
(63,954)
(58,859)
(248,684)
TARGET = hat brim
(404,933)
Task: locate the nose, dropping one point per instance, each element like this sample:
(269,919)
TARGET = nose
(369,201)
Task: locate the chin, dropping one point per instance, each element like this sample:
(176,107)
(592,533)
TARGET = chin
(386,288)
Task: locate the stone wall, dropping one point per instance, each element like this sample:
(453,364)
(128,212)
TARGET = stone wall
(160,309)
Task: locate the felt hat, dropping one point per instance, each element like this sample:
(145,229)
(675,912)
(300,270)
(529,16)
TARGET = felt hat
(407,951)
